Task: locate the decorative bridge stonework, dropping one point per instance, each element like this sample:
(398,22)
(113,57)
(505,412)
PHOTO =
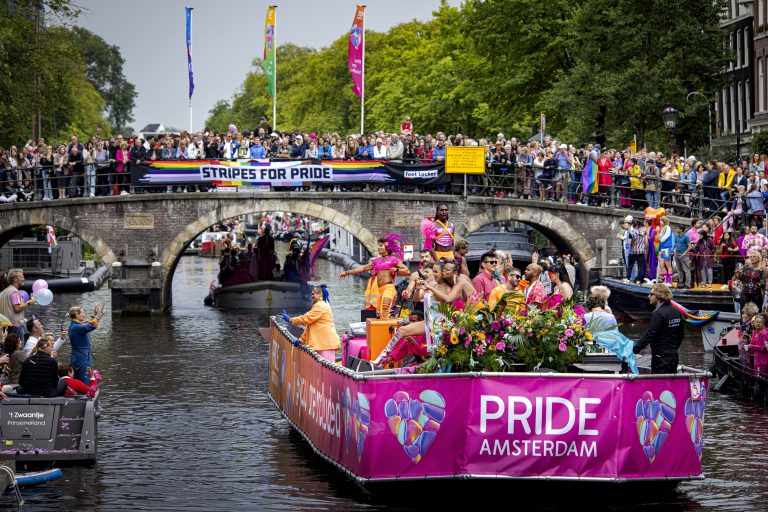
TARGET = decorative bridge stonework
(148,233)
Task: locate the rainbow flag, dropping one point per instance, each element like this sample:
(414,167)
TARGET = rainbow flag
(589,179)
(269,50)
(189,51)
(356,54)
(695,318)
(314,253)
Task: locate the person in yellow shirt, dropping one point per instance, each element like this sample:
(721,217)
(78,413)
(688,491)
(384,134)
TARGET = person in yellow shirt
(320,332)
(512,283)
(724,184)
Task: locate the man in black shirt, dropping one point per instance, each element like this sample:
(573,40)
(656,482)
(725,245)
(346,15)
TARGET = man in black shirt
(665,331)
(40,373)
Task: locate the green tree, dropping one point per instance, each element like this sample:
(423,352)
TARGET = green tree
(104,69)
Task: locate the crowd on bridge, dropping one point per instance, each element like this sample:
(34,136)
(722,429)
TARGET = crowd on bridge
(544,169)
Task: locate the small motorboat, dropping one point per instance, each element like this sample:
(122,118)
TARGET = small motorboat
(262,295)
(37,477)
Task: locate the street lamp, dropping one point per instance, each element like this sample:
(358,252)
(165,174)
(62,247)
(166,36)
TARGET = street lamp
(709,113)
(669,115)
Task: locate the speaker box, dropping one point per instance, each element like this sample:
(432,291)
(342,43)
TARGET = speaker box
(358,365)
(377,334)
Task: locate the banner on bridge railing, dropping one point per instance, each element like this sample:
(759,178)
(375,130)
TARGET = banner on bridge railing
(244,173)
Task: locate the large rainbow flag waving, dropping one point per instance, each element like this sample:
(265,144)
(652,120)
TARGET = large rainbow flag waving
(589,180)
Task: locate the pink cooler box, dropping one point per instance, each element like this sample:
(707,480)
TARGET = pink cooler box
(355,347)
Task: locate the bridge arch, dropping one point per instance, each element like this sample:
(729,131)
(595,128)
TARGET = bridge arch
(548,223)
(29,218)
(173,252)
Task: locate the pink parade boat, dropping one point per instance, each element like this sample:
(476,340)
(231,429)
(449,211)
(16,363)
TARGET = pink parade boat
(381,426)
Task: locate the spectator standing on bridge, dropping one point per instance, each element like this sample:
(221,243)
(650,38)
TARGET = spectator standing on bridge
(395,149)
(438,153)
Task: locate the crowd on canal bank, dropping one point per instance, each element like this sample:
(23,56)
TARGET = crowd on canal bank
(544,169)
(30,353)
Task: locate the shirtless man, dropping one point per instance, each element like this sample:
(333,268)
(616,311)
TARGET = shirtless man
(425,256)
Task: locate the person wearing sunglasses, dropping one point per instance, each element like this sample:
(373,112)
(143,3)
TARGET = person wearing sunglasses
(514,301)
(488,278)
(665,331)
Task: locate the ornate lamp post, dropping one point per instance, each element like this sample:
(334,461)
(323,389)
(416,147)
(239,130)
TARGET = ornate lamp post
(669,115)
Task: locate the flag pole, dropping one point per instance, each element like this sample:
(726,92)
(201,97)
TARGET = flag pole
(190,52)
(362,91)
(274,92)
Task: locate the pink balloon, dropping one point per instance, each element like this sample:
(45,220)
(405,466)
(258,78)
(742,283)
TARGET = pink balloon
(232,128)
(38,285)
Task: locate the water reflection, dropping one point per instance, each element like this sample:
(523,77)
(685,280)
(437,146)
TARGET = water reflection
(188,425)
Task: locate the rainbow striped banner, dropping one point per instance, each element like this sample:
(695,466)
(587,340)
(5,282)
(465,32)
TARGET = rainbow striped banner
(170,172)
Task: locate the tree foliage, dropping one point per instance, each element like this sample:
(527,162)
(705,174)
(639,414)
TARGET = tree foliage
(45,72)
(600,69)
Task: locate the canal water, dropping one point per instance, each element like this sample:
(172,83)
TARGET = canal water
(187,424)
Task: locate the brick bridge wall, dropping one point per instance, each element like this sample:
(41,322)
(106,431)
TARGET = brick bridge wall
(140,229)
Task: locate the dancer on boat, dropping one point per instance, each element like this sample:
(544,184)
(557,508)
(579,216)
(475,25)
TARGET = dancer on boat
(666,251)
(320,332)
(439,234)
(380,293)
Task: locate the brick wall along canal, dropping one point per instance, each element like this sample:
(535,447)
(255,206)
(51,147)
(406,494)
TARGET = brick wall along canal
(187,423)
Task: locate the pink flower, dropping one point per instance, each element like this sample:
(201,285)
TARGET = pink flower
(568,333)
(495,326)
(458,305)
(462,331)
(578,310)
(562,347)
(524,313)
(480,350)
(500,345)
(468,342)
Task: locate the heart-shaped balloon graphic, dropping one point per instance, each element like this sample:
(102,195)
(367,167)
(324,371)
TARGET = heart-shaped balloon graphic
(357,417)
(415,421)
(654,420)
(694,414)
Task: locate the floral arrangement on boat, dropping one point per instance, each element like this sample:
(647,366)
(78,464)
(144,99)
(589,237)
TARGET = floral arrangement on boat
(503,339)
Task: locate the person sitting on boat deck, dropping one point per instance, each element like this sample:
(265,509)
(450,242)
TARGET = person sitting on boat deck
(73,386)
(439,233)
(265,252)
(603,292)
(425,259)
(380,293)
(320,332)
(460,250)
(665,331)
(488,277)
(414,345)
(596,318)
(514,301)
(758,343)
(15,357)
(748,312)
(226,267)
(534,292)
(35,330)
(40,373)
(80,340)
(560,283)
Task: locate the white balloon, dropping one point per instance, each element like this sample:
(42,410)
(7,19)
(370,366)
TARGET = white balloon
(44,296)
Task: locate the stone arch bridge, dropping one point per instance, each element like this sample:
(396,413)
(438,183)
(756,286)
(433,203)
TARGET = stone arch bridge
(148,233)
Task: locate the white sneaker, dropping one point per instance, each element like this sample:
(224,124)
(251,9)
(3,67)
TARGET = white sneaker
(123,193)
(381,189)
(91,195)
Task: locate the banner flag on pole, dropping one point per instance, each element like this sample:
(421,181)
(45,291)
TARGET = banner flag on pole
(51,237)
(269,50)
(356,45)
(189,51)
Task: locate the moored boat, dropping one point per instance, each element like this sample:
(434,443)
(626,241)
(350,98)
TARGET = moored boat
(386,427)
(262,295)
(734,376)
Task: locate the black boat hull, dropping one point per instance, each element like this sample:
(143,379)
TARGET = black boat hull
(740,379)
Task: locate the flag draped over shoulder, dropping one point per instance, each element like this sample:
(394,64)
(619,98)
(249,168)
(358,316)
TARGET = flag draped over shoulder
(50,235)
(356,48)
(589,178)
(269,50)
(189,51)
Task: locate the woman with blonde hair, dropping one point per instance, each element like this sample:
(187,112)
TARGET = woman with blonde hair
(80,340)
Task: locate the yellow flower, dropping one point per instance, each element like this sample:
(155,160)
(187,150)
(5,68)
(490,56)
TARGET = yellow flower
(454,339)
(491,348)
(588,335)
(442,350)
